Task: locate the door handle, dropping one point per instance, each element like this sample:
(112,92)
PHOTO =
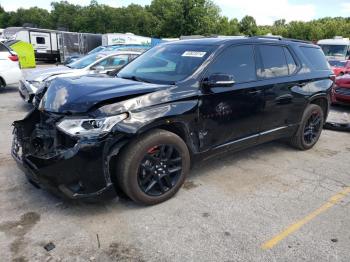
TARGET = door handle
(255,92)
(284,99)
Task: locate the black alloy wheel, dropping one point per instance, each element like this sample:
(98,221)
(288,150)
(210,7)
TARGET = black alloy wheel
(312,128)
(153,167)
(159,170)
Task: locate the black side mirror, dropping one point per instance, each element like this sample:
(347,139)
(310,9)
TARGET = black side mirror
(219,80)
(115,71)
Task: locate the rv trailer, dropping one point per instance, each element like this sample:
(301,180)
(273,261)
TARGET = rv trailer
(54,45)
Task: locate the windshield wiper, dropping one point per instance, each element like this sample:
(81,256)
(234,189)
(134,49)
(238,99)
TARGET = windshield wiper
(135,78)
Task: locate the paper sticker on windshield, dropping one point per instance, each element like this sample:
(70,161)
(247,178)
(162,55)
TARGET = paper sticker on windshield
(194,54)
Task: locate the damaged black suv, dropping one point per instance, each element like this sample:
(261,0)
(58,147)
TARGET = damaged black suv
(136,133)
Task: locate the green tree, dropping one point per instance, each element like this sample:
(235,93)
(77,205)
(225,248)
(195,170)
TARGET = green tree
(65,15)
(248,25)
(35,16)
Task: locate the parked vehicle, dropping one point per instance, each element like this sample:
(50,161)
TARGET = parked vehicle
(91,137)
(54,45)
(337,48)
(125,39)
(98,49)
(102,62)
(340,67)
(10,72)
(341,90)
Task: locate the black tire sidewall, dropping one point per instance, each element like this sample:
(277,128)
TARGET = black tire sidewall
(308,112)
(141,147)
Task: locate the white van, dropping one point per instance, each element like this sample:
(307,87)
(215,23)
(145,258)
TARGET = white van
(337,48)
(127,39)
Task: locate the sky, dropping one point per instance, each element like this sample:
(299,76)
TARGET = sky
(264,11)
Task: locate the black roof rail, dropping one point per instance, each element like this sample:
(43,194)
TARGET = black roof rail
(281,38)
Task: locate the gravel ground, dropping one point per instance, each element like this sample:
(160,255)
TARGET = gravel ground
(229,206)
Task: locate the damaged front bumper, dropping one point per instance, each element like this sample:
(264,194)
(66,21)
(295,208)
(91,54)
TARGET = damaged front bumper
(73,168)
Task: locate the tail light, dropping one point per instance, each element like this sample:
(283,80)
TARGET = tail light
(13,57)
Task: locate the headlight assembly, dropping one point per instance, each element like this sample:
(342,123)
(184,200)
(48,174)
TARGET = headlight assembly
(85,126)
(35,85)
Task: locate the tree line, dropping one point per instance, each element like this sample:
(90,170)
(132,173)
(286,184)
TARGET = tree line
(166,18)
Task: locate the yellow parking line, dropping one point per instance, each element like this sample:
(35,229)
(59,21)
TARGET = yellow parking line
(294,227)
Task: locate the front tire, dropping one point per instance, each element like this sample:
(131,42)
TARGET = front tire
(310,128)
(153,167)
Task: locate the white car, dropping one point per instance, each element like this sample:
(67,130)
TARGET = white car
(10,72)
(97,63)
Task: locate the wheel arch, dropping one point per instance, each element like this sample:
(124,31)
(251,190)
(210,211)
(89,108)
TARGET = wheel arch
(323,102)
(2,81)
(178,128)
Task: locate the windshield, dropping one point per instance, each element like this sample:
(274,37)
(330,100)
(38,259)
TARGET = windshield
(334,50)
(166,63)
(97,49)
(336,63)
(85,61)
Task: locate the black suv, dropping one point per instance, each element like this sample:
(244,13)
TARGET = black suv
(137,133)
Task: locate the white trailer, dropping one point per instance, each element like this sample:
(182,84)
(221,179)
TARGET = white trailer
(337,48)
(54,45)
(44,41)
(127,39)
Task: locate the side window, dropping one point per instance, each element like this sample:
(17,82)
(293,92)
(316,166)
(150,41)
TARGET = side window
(292,66)
(3,48)
(113,62)
(237,61)
(40,40)
(132,57)
(316,57)
(273,61)
(119,60)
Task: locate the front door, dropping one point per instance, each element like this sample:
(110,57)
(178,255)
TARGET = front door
(231,115)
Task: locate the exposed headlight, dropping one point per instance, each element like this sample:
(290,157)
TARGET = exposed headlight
(84,126)
(35,85)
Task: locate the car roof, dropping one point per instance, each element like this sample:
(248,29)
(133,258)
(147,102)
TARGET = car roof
(240,39)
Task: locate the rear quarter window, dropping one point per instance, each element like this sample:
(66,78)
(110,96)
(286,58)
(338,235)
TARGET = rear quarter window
(3,48)
(316,58)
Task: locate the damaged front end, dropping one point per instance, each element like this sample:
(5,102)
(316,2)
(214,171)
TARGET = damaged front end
(73,166)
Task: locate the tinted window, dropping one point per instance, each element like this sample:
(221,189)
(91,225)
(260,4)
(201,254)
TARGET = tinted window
(86,61)
(113,62)
(274,62)
(237,61)
(3,48)
(316,58)
(292,66)
(40,40)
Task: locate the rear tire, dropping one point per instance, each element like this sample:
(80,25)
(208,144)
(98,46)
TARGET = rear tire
(310,128)
(153,167)
(2,83)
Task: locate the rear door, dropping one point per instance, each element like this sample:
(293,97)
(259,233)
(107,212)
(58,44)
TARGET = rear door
(276,66)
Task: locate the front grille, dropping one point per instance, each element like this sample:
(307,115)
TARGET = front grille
(342,91)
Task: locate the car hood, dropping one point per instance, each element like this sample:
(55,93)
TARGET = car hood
(42,74)
(80,94)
